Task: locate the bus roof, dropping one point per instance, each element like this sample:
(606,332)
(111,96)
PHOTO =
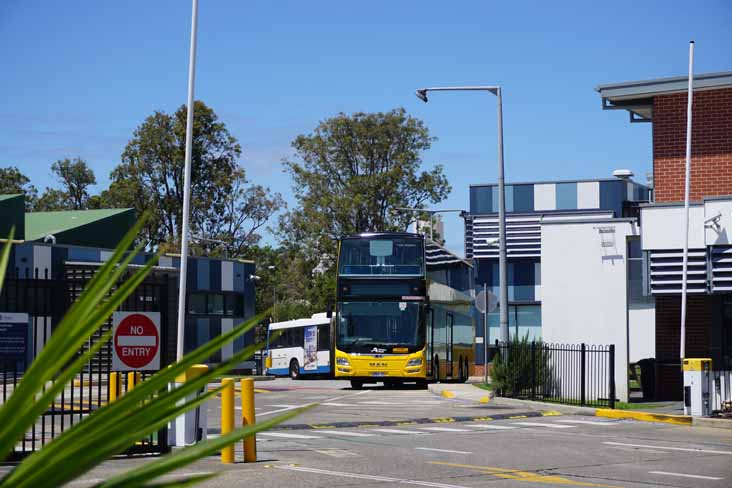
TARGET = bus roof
(316,319)
(384,234)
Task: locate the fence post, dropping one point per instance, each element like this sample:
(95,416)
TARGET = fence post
(612,375)
(583,373)
(227,417)
(533,370)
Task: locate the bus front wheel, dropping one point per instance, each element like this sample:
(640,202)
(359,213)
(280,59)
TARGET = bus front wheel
(356,384)
(294,369)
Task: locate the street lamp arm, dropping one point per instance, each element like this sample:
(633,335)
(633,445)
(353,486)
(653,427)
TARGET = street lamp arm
(492,89)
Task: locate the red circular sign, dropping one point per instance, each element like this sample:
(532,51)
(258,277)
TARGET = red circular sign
(136,340)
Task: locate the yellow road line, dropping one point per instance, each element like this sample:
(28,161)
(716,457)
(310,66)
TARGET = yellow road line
(526,476)
(448,394)
(644,416)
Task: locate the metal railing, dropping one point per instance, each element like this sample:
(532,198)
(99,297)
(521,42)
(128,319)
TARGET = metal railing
(573,374)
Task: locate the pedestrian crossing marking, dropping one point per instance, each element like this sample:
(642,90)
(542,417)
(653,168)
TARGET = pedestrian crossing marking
(345,433)
(289,436)
(446,429)
(398,431)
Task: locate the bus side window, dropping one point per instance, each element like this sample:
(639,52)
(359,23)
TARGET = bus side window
(323,338)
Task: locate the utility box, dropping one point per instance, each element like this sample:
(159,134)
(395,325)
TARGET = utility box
(696,387)
(192,426)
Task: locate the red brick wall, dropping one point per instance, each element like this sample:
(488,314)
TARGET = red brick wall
(669,379)
(711,145)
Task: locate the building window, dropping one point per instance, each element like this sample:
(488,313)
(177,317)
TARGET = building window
(216,304)
(638,296)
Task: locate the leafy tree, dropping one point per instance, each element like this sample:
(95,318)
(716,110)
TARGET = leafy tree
(226,210)
(351,173)
(52,200)
(75,177)
(13,181)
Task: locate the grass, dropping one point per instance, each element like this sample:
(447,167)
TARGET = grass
(484,386)
(638,406)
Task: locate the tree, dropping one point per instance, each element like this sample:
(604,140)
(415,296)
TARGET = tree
(75,177)
(352,172)
(13,181)
(226,210)
(52,200)
(348,177)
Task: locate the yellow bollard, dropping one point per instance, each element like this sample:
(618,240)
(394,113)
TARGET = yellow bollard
(113,386)
(131,376)
(248,418)
(227,417)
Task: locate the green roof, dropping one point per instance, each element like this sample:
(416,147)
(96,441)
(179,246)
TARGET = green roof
(7,197)
(40,224)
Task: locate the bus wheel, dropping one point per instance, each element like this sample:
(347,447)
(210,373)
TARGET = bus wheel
(466,369)
(356,384)
(436,368)
(294,369)
(460,370)
(422,384)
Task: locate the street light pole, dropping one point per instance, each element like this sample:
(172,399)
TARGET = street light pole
(502,261)
(187,185)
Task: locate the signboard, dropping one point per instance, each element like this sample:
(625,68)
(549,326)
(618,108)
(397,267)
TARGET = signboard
(486,301)
(136,341)
(311,348)
(13,335)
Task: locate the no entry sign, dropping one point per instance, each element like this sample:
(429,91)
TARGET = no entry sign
(136,341)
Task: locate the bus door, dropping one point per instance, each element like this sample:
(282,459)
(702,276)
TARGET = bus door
(449,344)
(430,356)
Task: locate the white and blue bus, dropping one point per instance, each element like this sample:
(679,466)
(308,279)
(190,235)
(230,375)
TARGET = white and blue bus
(302,348)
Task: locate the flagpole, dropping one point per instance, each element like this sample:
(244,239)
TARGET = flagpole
(187,186)
(687,181)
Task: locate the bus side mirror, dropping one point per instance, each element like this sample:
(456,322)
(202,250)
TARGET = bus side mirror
(329,313)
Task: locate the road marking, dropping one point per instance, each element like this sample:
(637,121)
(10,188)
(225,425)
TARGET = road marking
(337,453)
(445,429)
(587,422)
(278,411)
(668,448)
(368,477)
(283,405)
(398,431)
(289,436)
(526,476)
(441,450)
(346,433)
(698,476)
(496,427)
(179,476)
(541,424)
(332,404)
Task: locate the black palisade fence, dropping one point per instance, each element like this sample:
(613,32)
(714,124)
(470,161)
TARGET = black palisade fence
(573,374)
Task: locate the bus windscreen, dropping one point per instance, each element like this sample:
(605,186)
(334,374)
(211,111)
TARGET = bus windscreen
(381,257)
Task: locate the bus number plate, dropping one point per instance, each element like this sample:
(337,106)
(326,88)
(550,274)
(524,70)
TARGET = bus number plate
(378,373)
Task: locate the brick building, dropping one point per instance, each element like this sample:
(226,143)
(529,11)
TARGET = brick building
(663,102)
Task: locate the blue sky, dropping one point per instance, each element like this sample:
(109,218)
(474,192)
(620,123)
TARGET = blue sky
(79,76)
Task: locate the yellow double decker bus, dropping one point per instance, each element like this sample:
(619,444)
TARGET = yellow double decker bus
(400,318)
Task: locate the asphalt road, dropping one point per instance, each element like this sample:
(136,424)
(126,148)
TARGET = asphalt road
(380,437)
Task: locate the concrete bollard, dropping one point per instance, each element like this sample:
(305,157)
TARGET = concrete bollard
(248,418)
(227,417)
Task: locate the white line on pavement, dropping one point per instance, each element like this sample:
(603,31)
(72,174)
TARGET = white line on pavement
(398,431)
(445,429)
(181,476)
(542,424)
(283,405)
(332,404)
(587,422)
(495,427)
(668,448)
(278,411)
(345,433)
(666,473)
(441,450)
(368,477)
(289,436)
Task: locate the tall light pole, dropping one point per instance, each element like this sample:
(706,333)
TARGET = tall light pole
(503,299)
(431,213)
(687,184)
(187,186)
(274,288)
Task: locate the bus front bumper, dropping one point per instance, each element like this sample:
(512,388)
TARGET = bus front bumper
(374,368)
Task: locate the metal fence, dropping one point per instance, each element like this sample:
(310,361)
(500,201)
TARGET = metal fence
(45,301)
(574,374)
(720,389)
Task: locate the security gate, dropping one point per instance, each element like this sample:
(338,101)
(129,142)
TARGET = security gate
(45,301)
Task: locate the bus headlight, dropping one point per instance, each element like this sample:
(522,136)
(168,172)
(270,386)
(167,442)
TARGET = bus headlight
(414,362)
(343,362)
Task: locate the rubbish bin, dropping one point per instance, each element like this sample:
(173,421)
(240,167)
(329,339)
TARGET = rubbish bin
(648,378)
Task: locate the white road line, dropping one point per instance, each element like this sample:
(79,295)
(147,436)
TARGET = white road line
(542,424)
(398,431)
(587,422)
(345,433)
(346,396)
(181,476)
(278,411)
(283,405)
(668,448)
(368,477)
(445,429)
(494,427)
(333,404)
(698,476)
(441,450)
(289,436)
